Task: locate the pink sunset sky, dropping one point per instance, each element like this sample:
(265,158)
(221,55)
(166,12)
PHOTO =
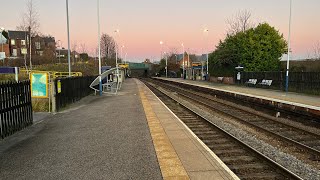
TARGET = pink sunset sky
(144,23)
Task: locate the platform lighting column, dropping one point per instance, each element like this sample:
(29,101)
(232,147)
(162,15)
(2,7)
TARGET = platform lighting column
(121,52)
(161,43)
(206,31)
(59,43)
(188,72)
(289,44)
(116,32)
(182,60)
(99,49)
(67,6)
(166,64)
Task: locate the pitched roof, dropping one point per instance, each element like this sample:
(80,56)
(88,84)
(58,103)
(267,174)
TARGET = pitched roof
(17,34)
(3,39)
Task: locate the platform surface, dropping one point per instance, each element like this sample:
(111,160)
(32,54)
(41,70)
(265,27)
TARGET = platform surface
(197,160)
(131,135)
(98,138)
(298,99)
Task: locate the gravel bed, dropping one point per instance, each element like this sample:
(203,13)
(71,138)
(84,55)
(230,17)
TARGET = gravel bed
(288,161)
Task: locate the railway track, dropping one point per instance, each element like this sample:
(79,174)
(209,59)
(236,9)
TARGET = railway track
(243,160)
(308,142)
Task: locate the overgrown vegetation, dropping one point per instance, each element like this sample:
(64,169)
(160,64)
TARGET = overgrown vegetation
(256,49)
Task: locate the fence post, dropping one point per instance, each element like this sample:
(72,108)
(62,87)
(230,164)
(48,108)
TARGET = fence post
(53,96)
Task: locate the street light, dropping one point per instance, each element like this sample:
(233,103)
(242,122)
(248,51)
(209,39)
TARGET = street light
(116,32)
(166,64)
(99,48)
(206,31)
(289,44)
(59,43)
(161,43)
(121,52)
(67,6)
(182,60)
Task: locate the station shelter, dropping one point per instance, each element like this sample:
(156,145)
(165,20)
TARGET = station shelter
(198,71)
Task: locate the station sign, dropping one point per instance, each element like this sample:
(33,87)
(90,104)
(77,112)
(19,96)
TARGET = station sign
(124,65)
(9,70)
(196,64)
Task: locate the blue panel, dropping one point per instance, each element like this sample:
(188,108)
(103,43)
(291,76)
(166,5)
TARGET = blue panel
(7,70)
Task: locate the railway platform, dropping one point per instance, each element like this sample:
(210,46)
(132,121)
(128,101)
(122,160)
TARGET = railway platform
(128,136)
(305,104)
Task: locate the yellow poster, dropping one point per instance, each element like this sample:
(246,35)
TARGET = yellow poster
(59,86)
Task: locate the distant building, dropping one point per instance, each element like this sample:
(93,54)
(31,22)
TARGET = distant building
(62,53)
(40,44)
(18,43)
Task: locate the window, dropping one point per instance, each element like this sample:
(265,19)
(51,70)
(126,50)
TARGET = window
(40,53)
(14,52)
(13,42)
(23,42)
(38,45)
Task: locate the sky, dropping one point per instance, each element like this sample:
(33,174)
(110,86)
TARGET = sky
(142,24)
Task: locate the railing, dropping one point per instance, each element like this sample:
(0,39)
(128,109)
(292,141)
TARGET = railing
(302,82)
(15,107)
(70,90)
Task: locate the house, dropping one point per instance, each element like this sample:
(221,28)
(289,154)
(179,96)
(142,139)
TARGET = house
(18,43)
(40,44)
(62,53)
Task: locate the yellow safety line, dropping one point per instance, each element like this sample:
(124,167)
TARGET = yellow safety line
(170,164)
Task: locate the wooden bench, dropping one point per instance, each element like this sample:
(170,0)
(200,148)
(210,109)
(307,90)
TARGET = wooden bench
(266,82)
(251,82)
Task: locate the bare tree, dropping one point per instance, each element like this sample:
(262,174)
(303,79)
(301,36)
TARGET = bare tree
(316,50)
(240,22)
(30,18)
(83,48)
(108,49)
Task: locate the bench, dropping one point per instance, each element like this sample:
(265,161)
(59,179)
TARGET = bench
(266,82)
(108,86)
(220,79)
(251,82)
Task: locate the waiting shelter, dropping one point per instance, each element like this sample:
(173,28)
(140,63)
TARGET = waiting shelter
(111,81)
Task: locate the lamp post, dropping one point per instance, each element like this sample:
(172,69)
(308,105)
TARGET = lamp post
(59,43)
(1,30)
(166,64)
(67,6)
(206,31)
(116,32)
(182,60)
(99,48)
(289,44)
(121,52)
(161,43)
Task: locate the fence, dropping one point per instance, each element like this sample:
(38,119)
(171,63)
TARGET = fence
(301,82)
(70,90)
(15,107)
